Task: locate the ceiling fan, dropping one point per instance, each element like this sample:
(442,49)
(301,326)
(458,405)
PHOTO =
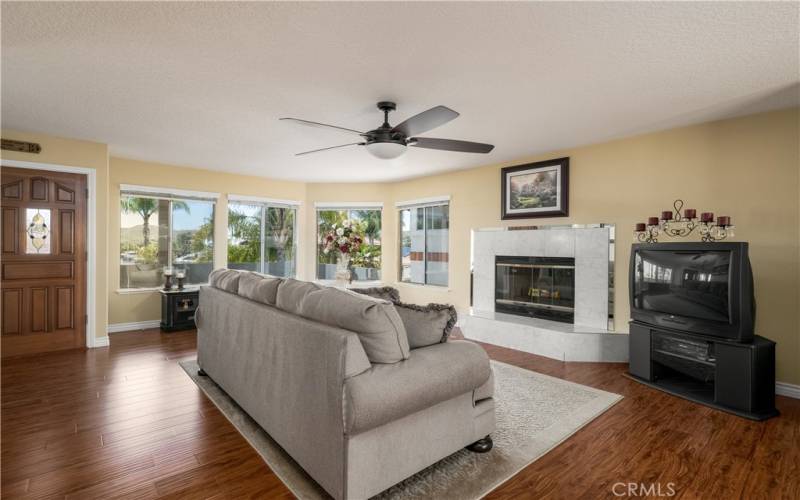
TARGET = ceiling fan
(387,142)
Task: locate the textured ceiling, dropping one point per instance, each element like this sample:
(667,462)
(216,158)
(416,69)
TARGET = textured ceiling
(204,84)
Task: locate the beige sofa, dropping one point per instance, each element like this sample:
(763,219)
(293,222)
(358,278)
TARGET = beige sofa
(330,376)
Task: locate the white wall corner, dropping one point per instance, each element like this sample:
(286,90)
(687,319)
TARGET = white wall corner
(101,342)
(787,389)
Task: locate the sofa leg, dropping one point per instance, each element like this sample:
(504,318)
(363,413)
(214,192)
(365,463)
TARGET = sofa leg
(202,373)
(481,445)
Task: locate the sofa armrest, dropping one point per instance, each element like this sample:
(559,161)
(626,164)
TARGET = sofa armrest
(430,376)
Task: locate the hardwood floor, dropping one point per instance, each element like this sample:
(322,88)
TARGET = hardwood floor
(126,421)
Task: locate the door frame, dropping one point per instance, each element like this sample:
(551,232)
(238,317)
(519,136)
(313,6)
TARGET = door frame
(91,237)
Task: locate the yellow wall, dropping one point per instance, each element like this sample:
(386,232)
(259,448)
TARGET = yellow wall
(74,153)
(146,305)
(748,168)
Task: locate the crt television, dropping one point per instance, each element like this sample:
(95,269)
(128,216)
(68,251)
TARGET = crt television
(704,288)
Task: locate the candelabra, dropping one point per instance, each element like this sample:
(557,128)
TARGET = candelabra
(677,225)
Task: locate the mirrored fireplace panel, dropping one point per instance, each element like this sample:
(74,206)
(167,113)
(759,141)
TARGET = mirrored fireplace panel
(542,287)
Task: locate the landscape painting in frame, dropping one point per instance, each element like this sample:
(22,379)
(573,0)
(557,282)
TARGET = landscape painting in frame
(538,189)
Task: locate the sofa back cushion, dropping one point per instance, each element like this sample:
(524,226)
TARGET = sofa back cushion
(259,287)
(292,292)
(376,321)
(427,325)
(225,279)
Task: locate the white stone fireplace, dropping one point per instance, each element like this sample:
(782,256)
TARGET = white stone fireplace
(590,336)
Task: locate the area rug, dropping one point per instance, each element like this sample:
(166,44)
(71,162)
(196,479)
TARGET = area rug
(534,413)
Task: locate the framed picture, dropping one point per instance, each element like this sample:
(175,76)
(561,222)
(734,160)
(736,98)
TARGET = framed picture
(538,189)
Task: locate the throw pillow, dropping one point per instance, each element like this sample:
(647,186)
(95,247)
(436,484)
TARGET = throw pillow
(380,292)
(427,325)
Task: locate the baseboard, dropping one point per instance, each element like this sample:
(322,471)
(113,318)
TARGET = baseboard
(136,325)
(788,390)
(101,342)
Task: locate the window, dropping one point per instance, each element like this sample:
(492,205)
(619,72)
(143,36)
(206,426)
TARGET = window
(261,237)
(366,262)
(424,244)
(157,232)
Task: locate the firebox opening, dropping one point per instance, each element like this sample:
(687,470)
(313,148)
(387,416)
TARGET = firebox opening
(541,287)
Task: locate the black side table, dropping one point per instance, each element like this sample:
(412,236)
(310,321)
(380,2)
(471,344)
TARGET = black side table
(178,308)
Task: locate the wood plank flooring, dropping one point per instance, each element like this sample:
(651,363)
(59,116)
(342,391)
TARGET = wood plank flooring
(126,422)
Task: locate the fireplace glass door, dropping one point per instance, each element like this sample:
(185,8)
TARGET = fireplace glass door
(542,287)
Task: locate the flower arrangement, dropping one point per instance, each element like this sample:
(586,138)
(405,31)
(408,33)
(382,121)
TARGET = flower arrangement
(345,238)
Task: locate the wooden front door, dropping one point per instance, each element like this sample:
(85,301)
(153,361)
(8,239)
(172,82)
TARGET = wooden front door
(43,261)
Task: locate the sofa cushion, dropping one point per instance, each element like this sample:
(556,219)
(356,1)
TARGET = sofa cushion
(427,325)
(225,279)
(380,292)
(376,321)
(385,393)
(259,287)
(291,293)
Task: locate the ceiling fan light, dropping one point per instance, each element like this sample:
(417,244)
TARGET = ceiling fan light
(386,150)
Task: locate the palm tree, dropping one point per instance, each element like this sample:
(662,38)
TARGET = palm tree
(146,207)
(245,231)
(280,225)
(372,221)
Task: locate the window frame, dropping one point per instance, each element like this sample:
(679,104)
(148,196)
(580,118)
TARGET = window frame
(169,195)
(416,205)
(264,205)
(342,207)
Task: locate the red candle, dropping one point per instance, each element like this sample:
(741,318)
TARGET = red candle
(666,215)
(640,226)
(690,213)
(707,217)
(652,221)
(724,220)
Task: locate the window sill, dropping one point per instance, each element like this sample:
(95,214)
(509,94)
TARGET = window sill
(354,284)
(435,288)
(134,291)
(131,291)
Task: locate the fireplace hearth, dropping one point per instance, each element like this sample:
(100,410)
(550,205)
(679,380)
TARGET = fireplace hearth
(541,287)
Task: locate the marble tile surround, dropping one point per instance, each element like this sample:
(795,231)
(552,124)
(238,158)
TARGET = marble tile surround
(589,246)
(551,339)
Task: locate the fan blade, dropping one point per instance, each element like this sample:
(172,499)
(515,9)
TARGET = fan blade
(322,125)
(332,147)
(427,120)
(450,145)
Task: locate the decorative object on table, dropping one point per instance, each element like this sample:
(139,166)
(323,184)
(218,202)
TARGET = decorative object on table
(167,278)
(178,308)
(344,239)
(677,225)
(538,189)
(180,275)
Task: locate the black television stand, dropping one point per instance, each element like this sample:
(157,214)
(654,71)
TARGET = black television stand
(738,378)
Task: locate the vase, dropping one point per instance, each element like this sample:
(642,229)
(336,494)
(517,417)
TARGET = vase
(343,271)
